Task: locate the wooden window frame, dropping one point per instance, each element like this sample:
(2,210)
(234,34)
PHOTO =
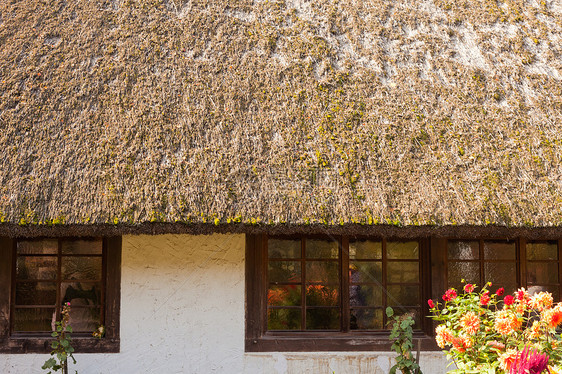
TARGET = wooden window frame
(258,339)
(520,259)
(82,343)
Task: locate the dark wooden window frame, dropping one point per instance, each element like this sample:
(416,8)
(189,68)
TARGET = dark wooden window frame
(258,339)
(520,261)
(82,343)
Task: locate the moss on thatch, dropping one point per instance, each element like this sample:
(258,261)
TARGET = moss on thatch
(323,112)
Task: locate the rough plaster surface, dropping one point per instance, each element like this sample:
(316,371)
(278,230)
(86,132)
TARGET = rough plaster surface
(182,311)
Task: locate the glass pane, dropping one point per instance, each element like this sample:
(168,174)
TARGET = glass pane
(499,250)
(36,293)
(279,248)
(365,295)
(365,272)
(81,293)
(320,295)
(34,319)
(542,251)
(84,319)
(284,295)
(402,250)
(552,289)
(402,272)
(284,271)
(81,268)
(284,319)
(413,312)
(403,295)
(322,271)
(37,247)
(366,319)
(542,272)
(82,247)
(36,267)
(365,250)
(321,248)
(322,319)
(501,274)
(463,250)
(469,271)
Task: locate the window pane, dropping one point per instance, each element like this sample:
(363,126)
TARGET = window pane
(284,295)
(365,250)
(36,293)
(365,295)
(321,248)
(322,271)
(366,319)
(284,319)
(499,250)
(365,272)
(320,295)
(403,295)
(84,319)
(34,319)
(402,250)
(40,267)
(82,247)
(542,272)
(542,251)
(462,250)
(284,271)
(81,293)
(402,272)
(322,319)
(278,248)
(37,247)
(86,268)
(501,274)
(469,271)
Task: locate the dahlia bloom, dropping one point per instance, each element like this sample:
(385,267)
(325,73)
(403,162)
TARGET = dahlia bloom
(470,323)
(506,322)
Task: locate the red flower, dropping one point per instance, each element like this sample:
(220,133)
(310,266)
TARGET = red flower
(508,300)
(500,291)
(468,288)
(431,303)
(485,298)
(450,294)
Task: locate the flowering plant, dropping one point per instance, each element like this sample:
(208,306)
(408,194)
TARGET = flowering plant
(485,333)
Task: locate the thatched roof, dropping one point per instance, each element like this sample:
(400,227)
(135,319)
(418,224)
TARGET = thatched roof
(410,112)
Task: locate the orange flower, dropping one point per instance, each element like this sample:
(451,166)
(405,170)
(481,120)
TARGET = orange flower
(443,335)
(470,323)
(535,330)
(541,301)
(462,343)
(507,359)
(553,317)
(506,322)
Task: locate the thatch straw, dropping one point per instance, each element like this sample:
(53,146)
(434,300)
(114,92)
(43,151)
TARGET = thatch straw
(415,112)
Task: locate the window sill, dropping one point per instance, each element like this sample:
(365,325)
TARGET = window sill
(17,345)
(343,342)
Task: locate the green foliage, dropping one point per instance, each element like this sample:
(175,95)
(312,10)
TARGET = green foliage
(62,346)
(402,334)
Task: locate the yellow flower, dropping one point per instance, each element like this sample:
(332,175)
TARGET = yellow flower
(470,323)
(506,322)
(540,301)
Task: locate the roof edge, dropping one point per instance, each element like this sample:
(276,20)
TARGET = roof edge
(400,232)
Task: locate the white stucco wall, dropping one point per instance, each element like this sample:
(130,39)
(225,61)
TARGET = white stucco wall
(182,311)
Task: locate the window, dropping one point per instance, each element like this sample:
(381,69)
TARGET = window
(42,274)
(314,293)
(534,265)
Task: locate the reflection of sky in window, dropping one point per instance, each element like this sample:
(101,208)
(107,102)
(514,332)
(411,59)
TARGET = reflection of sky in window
(463,250)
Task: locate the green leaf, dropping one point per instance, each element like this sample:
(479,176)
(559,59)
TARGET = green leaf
(64,343)
(69,328)
(54,334)
(389,312)
(54,345)
(49,364)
